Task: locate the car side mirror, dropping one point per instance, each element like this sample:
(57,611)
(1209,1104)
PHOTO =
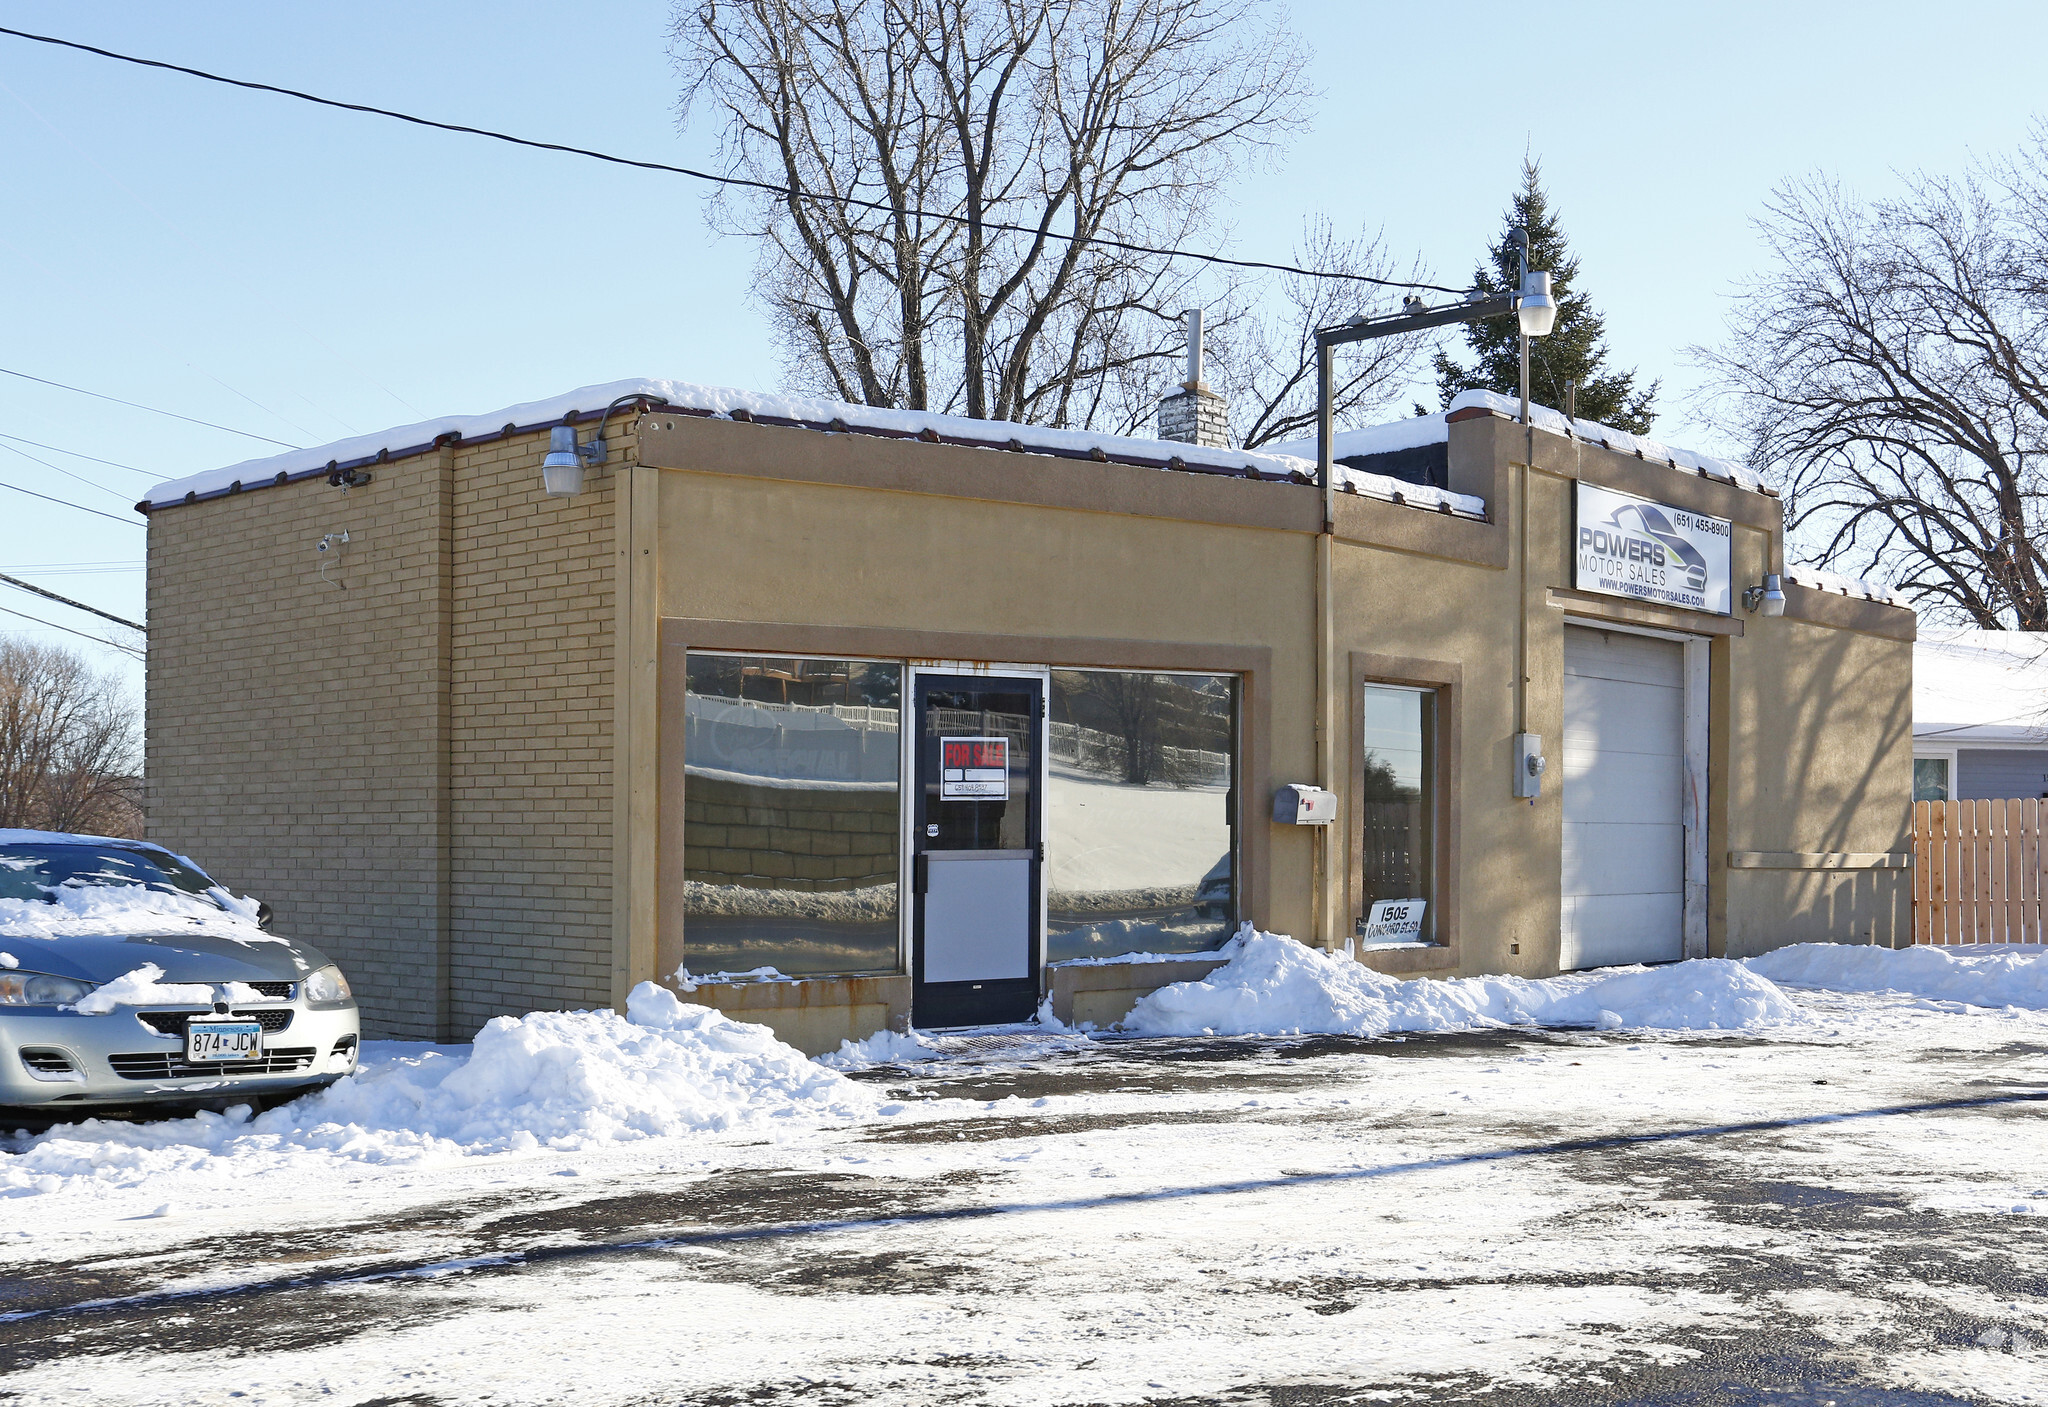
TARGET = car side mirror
(263,914)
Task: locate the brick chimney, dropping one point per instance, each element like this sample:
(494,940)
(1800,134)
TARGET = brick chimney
(1195,414)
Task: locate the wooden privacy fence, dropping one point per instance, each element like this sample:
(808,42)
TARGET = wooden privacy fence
(1977,871)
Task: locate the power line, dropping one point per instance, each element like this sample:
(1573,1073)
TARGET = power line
(75,605)
(153,410)
(59,449)
(124,649)
(110,517)
(59,469)
(784,192)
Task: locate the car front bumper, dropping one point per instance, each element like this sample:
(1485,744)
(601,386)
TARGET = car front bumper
(51,1058)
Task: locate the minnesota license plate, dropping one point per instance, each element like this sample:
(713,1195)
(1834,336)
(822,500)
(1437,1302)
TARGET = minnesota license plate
(223,1040)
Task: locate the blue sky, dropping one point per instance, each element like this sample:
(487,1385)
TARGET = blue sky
(304,274)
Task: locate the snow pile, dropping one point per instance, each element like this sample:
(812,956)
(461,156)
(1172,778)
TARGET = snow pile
(145,987)
(1276,986)
(882,1048)
(561,1080)
(1978,977)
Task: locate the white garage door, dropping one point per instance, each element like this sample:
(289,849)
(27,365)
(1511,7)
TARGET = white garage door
(1624,784)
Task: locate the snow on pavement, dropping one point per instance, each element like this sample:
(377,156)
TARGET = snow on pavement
(1505,1215)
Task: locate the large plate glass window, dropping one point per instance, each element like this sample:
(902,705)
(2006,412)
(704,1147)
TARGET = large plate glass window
(1397,809)
(1141,817)
(790,816)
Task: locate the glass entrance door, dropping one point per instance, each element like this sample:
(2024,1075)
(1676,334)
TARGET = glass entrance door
(977,851)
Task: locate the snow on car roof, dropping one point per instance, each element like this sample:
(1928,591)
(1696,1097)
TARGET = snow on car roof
(1980,686)
(806,411)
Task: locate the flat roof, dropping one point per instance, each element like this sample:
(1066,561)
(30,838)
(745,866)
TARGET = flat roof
(588,402)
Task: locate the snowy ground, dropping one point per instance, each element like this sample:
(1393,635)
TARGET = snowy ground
(1849,1207)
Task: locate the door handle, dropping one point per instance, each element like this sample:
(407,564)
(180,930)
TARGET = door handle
(920,874)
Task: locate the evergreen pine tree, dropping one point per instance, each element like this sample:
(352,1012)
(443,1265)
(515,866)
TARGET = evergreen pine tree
(1574,352)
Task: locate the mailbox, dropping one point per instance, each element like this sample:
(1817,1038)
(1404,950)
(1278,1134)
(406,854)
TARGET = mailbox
(1299,804)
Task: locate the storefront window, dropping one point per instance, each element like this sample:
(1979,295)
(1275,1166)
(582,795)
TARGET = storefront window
(1140,813)
(790,815)
(1930,779)
(1397,805)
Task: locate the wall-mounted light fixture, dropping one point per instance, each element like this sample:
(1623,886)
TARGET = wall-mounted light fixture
(561,472)
(1767,598)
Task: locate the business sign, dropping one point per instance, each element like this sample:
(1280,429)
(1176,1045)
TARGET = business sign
(1394,921)
(974,769)
(1629,546)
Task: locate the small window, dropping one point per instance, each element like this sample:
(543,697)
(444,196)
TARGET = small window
(1931,779)
(1397,811)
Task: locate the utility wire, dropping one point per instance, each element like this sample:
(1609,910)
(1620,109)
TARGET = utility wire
(153,410)
(75,605)
(59,469)
(124,649)
(784,192)
(110,517)
(58,449)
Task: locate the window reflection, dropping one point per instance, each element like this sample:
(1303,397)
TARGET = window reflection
(1930,779)
(1140,825)
(790,815)
(1398,799)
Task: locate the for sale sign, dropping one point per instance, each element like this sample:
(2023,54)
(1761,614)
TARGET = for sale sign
(1629,546)
(974,769)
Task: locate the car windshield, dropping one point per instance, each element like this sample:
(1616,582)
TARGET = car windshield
(32,871)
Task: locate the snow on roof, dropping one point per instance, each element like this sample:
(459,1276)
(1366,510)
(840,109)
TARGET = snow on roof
(1980,686)
(1418,430)
(805,411)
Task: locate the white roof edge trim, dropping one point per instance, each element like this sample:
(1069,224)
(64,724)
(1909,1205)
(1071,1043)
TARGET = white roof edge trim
(686,395)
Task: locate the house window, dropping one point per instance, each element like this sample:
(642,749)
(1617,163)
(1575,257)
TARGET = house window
(1398,805)
(1141,825)
(1932,778)
(790,815)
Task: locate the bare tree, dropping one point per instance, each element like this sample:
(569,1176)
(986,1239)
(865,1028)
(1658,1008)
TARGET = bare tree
(1891,369)
(951,182)
(67,745)
(1266,360)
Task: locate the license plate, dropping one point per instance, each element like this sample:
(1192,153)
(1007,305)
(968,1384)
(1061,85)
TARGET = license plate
(223,1040)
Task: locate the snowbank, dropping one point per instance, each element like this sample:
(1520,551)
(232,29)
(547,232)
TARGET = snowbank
(1276,986)
(1976,976)
(145,987)
(565,1080)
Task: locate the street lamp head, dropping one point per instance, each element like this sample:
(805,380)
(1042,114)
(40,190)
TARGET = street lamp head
(1536,309)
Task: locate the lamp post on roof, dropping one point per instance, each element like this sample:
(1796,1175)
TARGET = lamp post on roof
(1534,308)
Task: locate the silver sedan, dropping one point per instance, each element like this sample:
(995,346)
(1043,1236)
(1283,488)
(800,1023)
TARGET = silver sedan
(128,977)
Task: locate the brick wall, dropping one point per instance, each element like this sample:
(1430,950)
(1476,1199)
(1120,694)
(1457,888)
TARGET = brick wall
(413,767)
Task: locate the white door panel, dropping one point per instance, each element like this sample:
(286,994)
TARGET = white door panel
(1623,795)
(1623,859)
(1601,930)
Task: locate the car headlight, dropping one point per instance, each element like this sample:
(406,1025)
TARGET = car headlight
(40,989)
(327,987)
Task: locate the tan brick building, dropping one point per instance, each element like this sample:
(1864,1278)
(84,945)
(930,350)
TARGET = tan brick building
(936,717)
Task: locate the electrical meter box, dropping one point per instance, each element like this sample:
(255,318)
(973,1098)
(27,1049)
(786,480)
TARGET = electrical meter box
(1299,804)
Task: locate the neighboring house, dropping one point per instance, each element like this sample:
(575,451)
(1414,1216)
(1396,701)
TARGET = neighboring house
(1980,715)
(916,709)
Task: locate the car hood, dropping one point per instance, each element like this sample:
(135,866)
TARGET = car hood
(184,957)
